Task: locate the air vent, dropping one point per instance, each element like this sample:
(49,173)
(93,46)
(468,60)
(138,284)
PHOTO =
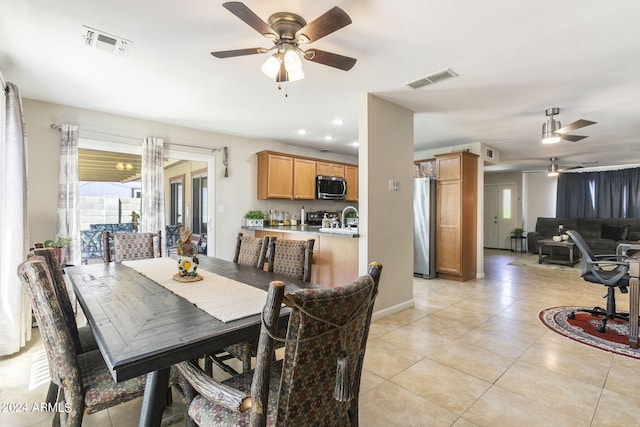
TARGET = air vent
(433,78)
(104,41)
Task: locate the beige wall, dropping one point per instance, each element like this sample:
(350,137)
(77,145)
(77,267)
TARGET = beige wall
(386,227)
(234,195)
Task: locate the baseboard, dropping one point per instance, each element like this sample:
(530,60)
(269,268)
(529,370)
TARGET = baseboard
(479,275)
(377,315)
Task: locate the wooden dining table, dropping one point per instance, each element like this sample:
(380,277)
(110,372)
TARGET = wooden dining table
(142,327)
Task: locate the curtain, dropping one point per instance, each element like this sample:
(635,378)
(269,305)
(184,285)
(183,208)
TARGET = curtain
(152,212)
(15,307)
(603,194)
(68,224)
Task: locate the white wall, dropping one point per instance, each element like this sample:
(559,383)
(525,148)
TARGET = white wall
(234,195)
(539,196)
(386,227)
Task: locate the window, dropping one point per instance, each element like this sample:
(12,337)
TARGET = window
(506,203)
(176,196)
(200,203)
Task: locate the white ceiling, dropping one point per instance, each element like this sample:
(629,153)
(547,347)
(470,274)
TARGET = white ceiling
(514,60)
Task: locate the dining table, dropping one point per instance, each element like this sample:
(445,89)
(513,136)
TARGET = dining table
(144,321)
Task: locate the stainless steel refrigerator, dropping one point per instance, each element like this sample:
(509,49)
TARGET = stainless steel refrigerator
(424,236)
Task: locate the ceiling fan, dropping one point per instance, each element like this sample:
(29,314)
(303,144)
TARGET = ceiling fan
(288,31)
(552,132)
(554,168)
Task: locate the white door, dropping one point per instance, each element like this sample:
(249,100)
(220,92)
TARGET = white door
(491,213)
(499,215)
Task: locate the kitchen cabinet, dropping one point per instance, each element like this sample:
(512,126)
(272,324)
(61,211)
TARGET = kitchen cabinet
(330,169)
(284,176)
(275,176)
(304,179)
(351,176)
(456,215)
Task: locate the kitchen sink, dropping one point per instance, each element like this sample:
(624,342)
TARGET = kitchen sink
(350,231)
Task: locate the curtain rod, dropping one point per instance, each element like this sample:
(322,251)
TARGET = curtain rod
(102,133)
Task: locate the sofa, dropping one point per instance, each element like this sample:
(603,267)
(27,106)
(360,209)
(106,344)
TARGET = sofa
(601,234)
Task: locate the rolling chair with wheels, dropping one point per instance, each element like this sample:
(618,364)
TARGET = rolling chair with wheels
(611,271)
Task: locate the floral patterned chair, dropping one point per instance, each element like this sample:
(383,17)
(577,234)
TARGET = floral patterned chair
(131,246)
(84,379)
(318,381)
(291,258)
(82,338)
(251,251)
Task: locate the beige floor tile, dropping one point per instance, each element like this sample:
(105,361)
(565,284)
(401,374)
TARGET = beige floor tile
(556,391)
(414,341)
(480,363)
(448,388)
(615,409)
(384,360)
(390,405)
(624,372)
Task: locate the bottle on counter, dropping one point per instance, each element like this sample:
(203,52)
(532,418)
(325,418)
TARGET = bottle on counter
(326,222)
(302,217)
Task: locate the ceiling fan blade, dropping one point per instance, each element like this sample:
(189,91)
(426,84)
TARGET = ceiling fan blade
(331,59)
(575,125)
(573,138)
(254,21)
(331,21)
(238,52)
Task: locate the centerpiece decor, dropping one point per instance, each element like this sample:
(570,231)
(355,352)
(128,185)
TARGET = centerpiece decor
(187,259)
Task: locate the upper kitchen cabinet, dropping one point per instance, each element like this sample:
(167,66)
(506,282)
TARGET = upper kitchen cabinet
(456,215)
(284,176)
(275,176)
(351,176)
(330,169)
(304,179)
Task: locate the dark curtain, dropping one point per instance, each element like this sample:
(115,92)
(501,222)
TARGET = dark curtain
(605,194)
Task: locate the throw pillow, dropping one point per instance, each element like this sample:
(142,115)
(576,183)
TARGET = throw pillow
(615,232)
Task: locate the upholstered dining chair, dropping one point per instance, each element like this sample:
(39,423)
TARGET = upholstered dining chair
(85,383)
(131,246)
(318,381)
(251,251)
(291,258)
(81,337)
(611,271)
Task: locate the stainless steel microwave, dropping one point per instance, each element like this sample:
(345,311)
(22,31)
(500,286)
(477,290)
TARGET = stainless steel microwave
(331,188)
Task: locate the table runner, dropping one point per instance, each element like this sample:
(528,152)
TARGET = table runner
(223,298)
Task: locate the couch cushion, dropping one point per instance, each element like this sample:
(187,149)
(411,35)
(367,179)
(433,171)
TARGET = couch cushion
(600,246)
(549,226)
(615,232)
(591,227)
(634,230)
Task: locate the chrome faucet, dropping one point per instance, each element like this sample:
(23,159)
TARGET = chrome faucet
(348,208)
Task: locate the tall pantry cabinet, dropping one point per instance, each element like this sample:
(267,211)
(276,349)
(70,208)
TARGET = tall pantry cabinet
(456,215)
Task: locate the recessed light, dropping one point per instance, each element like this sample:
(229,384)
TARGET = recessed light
(302,132)
(328,138)
(338,122)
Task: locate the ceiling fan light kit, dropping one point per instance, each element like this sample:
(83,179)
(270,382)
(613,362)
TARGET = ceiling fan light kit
(552,170)
(553,132)
(288,31)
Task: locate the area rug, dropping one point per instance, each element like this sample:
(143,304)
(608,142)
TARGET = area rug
(583,329)
(532,261)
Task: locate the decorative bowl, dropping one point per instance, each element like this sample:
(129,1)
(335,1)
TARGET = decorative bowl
(557,238)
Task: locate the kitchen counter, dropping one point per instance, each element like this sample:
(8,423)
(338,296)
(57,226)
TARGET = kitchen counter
(311,229)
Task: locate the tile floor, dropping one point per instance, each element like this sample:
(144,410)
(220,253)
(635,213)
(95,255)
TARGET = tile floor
(467,354)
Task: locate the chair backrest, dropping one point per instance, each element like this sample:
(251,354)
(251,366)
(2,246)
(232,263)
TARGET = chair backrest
(62,294)
(171,237)
(588,257)
(131,246)
(251,251)
(91,244)
(291,258)
(328,329)
(63,365)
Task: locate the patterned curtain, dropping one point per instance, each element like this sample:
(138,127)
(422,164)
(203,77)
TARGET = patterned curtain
(152,211)
(68,221)
(15,307)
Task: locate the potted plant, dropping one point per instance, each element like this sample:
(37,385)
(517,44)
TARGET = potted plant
(517,232)
(255,218)
(59,246)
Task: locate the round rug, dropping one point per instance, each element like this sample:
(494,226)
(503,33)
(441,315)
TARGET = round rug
(583,329)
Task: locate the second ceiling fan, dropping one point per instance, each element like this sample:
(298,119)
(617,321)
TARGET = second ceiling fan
(288,31)
(553,131)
